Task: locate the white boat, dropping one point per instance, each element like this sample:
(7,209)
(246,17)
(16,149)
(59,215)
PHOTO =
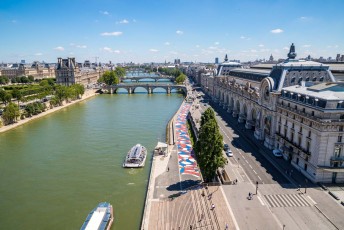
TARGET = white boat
(136,157)
(100,218)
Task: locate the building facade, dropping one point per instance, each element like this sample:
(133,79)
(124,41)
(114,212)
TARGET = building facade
(254,97)
(36,69)
(68,73)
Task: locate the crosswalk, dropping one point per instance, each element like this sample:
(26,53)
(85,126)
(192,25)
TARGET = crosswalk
(287,200)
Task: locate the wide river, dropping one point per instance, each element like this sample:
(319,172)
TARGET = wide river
(55,170)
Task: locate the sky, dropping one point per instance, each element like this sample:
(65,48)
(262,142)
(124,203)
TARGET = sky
(143,31)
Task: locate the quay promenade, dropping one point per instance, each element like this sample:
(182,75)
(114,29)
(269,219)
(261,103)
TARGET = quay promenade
(176,197)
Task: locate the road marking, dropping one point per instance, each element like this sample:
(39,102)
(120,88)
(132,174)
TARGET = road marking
(246,161)
(260,200)
(259,178)
(244,157)
(312,200)
(250,166)
(255,172)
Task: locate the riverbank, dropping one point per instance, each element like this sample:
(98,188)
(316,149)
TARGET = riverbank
(88,94)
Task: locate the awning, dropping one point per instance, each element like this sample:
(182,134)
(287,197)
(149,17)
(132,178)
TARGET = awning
(161,145)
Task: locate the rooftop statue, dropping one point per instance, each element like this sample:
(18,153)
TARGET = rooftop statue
(292,54)
(226,58)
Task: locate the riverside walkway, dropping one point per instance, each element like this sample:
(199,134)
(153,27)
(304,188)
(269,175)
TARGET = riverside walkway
(176,197)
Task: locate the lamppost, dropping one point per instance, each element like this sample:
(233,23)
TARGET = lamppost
(238,162)
(283,226)
(306,185)
(256,187)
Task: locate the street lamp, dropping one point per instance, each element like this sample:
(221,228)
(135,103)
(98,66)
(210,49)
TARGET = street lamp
(238,162)
(256,187)
(306,185)
(283,226)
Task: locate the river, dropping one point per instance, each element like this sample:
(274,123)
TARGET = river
(56,169)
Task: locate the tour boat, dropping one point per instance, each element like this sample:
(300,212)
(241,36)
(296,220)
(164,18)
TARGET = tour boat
(100,218)
(136,157)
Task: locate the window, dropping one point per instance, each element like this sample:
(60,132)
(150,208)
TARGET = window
(309,133)
(312,113)
(339,139)
(305,167)
(288,104)
(293,125)
(307,79)
(299,140)
(340,128)
(308,146)
(337,151)
(297,161)
(304,110)
(296,107)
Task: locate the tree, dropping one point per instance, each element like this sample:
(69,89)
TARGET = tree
(209,146)
(2,95)
(10,114)
(7,98)
(181,78)
(17,94)
(120,72)
(31,78)
(109,78)
(61,93)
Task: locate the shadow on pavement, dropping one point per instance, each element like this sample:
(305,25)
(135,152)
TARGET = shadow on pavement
(183,185)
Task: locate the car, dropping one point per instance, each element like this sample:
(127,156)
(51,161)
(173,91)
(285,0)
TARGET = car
(229,153)
(225,147)
(277,153)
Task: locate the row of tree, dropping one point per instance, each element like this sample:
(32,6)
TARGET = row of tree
(209,146)
(4,80)
(61,93)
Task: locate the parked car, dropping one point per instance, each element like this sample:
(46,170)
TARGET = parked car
(277,153)
(225,147)
(229,153)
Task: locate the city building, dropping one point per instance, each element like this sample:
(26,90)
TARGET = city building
(309,132)
(68,73)
(254,96)
(36,69)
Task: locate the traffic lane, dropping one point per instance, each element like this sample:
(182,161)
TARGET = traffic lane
(262,167)
(245,159)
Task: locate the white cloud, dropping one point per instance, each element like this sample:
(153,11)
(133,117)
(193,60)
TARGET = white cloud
(179,32)
(253,51)
(117,33)
(217,43)
(81,46)
(261,45)
(124,21)
(244,38)
(108,49)
(306,46)
(305,19)
(38,54)
(167,43)
(276,31)
(104,12)
(59,48)
(285,48)
(153,50)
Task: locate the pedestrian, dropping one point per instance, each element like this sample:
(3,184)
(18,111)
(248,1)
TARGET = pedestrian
(226,226)
(190,227)
(212,206)
(168,169)
(236,181)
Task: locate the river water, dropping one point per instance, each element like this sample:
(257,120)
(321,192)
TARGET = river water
(56,169)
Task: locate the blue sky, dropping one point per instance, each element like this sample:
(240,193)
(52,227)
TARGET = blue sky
(155,31)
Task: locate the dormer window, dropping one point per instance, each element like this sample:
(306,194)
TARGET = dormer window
(292,80)
(307,78)
(321,79)
(314,79)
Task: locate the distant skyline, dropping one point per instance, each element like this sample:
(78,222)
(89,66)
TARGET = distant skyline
(155,31)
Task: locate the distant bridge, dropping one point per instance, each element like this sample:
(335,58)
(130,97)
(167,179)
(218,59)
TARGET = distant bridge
(155,78)
(149,87)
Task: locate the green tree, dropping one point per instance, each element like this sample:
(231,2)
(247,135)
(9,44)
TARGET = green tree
(11,113)
(31,78)
(181,78)
(209,146)
(61,93)
(2,95)
(7,98)
(24,79)
(16,93)
(109,78)
(120,72)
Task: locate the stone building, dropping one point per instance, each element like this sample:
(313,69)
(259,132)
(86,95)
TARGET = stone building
(68,73)
(36,69)
(254,97)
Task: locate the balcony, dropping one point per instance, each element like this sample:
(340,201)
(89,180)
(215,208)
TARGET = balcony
(294,145)
(337,158)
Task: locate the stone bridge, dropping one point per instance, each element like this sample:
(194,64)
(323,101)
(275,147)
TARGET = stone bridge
(149,87)
(155,78)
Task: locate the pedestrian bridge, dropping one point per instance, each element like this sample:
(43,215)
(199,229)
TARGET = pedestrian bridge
(149,87)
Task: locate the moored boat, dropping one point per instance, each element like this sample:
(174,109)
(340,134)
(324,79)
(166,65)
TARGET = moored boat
(136,157)
(100,218)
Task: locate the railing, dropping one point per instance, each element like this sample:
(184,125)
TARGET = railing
(337,158)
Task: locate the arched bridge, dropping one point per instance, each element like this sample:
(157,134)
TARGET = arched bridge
(149,87)
(148,76)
